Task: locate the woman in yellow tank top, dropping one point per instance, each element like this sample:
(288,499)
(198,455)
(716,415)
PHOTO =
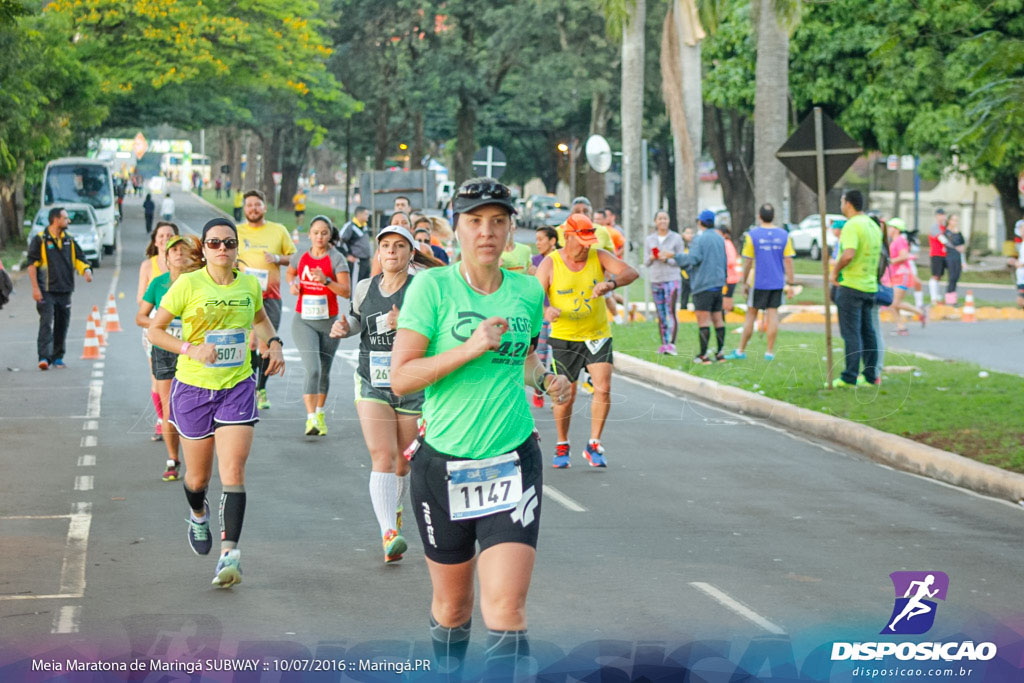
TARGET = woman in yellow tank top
(155,262)
(153,265)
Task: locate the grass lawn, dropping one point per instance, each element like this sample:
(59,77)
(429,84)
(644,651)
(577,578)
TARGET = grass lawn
(1004,276)
(10,255)
(285,218)
(942,404)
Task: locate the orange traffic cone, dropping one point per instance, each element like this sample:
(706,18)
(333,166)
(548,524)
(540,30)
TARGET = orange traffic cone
(113,322)
(91,350)
(295,235)
(97,323)
(968,313)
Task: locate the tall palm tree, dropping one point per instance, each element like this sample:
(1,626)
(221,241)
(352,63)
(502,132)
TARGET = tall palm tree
(773,19)
(681,37)
(631,15)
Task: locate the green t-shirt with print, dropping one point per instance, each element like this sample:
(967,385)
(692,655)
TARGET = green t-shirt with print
(861,233)
(480,410)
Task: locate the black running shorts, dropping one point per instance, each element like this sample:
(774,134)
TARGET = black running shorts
(570,357)
(448,542)
(164,363)
(938,266)
(709,300)
(766,298)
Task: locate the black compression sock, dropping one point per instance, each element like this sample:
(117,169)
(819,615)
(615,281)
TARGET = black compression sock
(195,499)
(232,513)
(450,645)
(705,336)
(720,337)
(504,651)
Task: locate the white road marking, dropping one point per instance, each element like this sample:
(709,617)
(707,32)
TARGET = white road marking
(87,461)
(97,374)
(67,619)
(562,499)
(92,407)
(89,441)
(737,607)
(98,365)
(72,573)
(90,425)
(84,482)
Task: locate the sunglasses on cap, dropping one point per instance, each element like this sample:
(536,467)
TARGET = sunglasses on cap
(582,231)
(214,243)
(484,191)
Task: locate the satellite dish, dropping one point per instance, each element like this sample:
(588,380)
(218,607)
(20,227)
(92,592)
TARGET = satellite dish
(599,154)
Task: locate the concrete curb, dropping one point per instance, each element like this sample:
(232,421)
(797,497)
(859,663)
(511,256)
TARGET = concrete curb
(880,446)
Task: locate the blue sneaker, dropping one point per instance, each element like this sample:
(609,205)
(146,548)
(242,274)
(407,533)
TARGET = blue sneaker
(736,355)
(228,570)
(595,454)
(769,356)
(561,460)
(199,533)
(59,363)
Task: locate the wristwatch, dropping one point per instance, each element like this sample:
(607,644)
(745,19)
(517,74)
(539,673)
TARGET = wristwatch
(275,339)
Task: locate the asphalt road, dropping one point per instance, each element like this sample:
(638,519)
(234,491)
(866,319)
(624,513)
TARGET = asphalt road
(706,525)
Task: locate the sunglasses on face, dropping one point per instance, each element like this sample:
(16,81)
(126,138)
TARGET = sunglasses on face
(485,191)
(214,243)
(423,241)
(584,231)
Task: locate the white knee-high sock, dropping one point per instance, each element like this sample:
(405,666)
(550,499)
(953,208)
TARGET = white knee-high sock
(933,289)
(383,495)
(400,483)
(919,299)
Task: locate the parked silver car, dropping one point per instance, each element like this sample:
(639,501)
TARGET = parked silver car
(806,237)
(82,225)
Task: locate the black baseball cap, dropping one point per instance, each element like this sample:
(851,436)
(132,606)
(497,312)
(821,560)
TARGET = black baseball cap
(477,192)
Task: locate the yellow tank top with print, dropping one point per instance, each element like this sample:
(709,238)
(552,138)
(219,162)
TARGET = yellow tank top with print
(584,317)
(154,267)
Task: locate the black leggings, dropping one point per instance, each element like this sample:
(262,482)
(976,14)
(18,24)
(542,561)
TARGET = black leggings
(955,267)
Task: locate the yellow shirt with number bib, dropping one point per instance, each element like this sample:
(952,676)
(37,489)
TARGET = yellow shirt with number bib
(220,314)
(252,242)
(584,316)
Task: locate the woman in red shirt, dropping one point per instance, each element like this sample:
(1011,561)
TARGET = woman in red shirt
(319,277)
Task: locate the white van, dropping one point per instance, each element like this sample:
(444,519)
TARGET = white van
(84,181)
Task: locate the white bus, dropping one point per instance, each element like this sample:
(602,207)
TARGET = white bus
(84,181)
(173,163)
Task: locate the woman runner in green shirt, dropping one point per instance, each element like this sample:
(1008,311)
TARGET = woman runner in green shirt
(467,334)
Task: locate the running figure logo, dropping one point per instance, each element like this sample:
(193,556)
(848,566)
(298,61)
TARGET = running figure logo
(914,611)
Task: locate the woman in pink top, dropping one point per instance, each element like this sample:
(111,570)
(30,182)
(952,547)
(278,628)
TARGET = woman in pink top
(734,272)
(900,278)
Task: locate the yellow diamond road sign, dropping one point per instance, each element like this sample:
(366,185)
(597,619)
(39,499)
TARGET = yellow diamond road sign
(139,145)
